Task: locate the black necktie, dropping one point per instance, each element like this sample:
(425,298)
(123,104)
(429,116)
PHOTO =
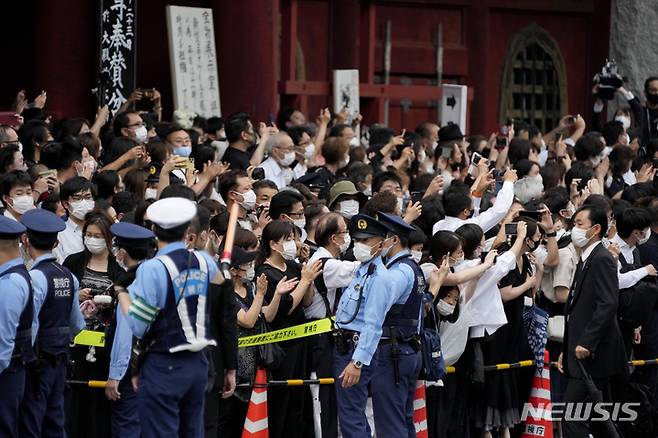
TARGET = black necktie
(576,280)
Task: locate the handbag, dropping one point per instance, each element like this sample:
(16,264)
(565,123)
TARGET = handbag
(555,328)
(270,356)
(433,364)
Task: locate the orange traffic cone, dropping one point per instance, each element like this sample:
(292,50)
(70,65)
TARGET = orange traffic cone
(420,413)
(538,420)
(255,425)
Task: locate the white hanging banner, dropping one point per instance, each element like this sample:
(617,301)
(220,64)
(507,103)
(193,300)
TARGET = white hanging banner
(453,105)
(193,59)
(346,92)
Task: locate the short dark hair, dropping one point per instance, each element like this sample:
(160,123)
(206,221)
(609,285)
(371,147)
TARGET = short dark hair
(75,185)
(42,241)
(455,200)
(282,203)
(518,150)
(589,145)
(284,116)
(386,202)
(243,238)
(264,183)
(7,157)
(32,132)
(358,172)
(61,155)
(178,191)
(202,154)
(124,202)
(121,120)
(647,81)
(443,243)
(106,181)
(328,225)
(611,132)
(118,147)
(235,125)
(338,129)
(297,132)
(381,136)
(424,129)
(597,216)
(417,237)
(432,213)
(379,179)
(229,181)
(170,234)
(213,124)
(274,231)
(13,179)
(631,219)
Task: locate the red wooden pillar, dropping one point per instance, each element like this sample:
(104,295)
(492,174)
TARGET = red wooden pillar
(64,60)
(478,31)
(246,38)
(372,109)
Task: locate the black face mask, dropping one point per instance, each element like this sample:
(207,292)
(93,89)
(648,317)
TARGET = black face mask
(535,244)
(652,98)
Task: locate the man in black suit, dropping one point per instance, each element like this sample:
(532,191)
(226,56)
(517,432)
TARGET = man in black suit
(591,334)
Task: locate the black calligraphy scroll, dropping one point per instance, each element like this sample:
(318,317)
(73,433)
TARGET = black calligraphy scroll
(116,48)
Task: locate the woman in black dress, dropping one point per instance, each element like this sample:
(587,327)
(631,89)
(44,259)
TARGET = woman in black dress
(277,263)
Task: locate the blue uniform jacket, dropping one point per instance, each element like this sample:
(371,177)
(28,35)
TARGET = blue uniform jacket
(14,293)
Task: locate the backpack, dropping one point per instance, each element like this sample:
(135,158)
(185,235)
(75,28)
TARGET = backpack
(433,365)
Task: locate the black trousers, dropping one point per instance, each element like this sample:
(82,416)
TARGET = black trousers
(577,392)
(321,357)
(285,405)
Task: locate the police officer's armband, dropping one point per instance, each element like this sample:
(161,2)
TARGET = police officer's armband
(143,311)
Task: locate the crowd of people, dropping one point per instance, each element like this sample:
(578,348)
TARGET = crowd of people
(118,225)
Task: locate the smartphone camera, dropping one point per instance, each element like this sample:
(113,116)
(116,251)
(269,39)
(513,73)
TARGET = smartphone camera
(258,174)
(510,229)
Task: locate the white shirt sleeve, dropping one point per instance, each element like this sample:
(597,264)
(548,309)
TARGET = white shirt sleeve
(476,206)
(337,273)
(630,278)
(498,210)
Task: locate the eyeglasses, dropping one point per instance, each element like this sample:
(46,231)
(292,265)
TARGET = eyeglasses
(299,214)
(87,197)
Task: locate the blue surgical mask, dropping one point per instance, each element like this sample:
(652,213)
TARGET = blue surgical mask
(183,151)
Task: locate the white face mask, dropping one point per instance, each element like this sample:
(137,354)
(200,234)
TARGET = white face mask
(287,159)
(289,250)
(248,200)
(22,203)
(151,193)
(645,239)
(401,205)
(626,140)
(434,145)
(416,255)
(579,237)
(422,156)
(309,152)
(95,245)
(81,208)
(250,273)
(625,120)
(348,208)
(362,252)
(368,191)
(354,142)
(300,223)
(343,246)
(543,144)
(444,308)
(458,261)
(386,249)
(141,134)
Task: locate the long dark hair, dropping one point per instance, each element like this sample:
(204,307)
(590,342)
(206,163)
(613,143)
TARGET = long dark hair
(471,235)
(273,232)
(442,244)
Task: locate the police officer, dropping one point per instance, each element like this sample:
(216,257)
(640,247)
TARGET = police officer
(354,365)
(167,309)
(16,313)
(398,306)
(133,245)
(57,320)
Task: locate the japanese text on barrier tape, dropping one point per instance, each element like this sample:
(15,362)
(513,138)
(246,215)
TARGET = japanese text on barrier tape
(286,334)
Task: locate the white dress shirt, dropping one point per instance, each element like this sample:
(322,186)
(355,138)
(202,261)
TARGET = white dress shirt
(336,273)
(70,241)
(299,170)
(486,220)
(630,278)
(281,176)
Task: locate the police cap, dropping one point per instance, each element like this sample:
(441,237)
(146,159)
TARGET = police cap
(128,234)
(171,212)
(363,226)
(42,221)
(395,224)
(10,229)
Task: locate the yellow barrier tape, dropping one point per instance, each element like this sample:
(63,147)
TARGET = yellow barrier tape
(91,338)
(286,334)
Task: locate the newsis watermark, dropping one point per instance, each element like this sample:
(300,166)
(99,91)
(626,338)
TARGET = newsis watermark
(580,411)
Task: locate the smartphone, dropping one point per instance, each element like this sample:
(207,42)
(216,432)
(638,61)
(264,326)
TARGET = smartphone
(570,120)
(469,179)
(503,134)
(416,196)
(258,174)
(475,158)
(147,93)
(510,229)
(534,215)
(48,173)
(9,118)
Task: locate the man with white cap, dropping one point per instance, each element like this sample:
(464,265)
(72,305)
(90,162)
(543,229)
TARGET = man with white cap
(167,308)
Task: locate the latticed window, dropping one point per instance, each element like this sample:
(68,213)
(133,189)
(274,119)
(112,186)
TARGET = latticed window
(534,80)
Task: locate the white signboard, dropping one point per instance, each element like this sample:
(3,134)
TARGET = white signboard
(453,105)
(346,92)
(193,60)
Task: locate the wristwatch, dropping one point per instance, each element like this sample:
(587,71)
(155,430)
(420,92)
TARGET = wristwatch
(357,364)
(551,234)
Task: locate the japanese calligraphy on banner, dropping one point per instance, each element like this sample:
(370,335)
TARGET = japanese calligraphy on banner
(117,52)
(193,61)
(346,92)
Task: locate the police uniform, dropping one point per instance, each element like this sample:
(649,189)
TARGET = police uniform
(57,319)
(398,306)
(350,346)
(125,416)
(169,313)
(16,317)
